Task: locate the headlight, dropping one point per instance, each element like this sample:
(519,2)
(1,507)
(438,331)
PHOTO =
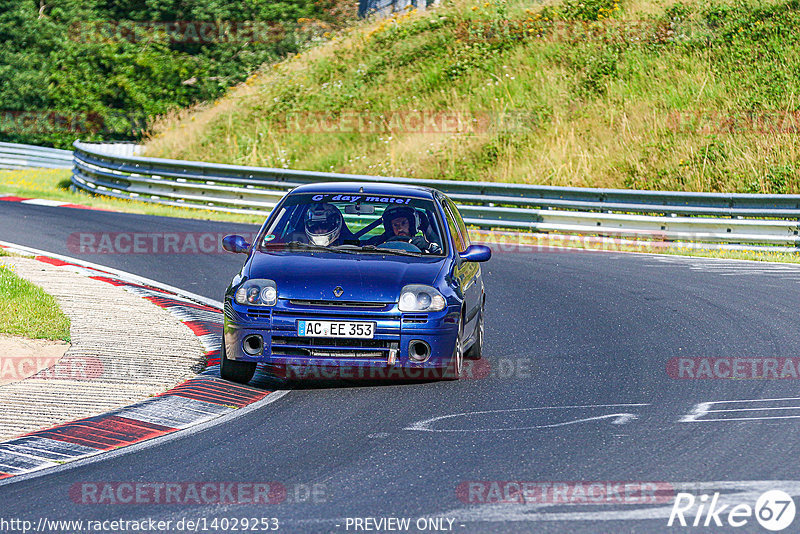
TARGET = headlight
(269,295)
(257,292)
(420,298)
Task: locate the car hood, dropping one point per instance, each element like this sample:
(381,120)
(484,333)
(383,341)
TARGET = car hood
(362,277)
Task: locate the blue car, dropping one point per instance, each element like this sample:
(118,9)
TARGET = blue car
(356,280)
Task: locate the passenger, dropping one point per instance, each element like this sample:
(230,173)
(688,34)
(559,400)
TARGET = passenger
(402,222)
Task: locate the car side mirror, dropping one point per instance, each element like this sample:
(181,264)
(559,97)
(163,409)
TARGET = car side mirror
(235,243)
(476,253)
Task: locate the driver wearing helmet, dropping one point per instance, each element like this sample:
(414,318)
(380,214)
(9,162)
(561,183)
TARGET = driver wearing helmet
(323,224)
(403,222)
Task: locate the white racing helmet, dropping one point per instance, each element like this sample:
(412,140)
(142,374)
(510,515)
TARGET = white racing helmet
(323,224)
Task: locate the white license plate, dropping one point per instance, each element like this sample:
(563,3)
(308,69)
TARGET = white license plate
(335,329)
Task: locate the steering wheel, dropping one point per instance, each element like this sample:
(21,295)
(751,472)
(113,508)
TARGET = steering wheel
(404,238)
(399,244)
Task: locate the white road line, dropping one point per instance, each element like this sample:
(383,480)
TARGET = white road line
(756,409)
(727,264)
(742,270)
(751,271)
(756,400)
(724,268)
(43,202)
(779,276)
(725,419)
(619,418)
(703,408)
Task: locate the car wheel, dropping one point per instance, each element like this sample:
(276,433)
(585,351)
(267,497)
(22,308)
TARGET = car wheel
(476,350)
(453,371)
(240,372)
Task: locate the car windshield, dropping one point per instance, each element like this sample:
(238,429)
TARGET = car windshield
(357,223)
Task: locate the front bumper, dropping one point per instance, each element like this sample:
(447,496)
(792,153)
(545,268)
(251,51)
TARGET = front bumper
(386,355)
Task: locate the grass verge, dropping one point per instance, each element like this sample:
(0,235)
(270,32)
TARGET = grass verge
(54,185)
(26,310)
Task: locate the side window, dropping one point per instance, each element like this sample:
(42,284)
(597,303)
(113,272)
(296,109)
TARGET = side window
(462,228)
(452,226)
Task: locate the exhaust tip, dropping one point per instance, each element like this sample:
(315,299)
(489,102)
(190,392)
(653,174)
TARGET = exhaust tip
(419,351)
(253,345)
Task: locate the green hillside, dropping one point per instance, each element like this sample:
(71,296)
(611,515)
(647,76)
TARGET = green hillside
(699,96)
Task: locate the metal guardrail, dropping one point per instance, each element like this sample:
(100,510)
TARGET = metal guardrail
(668,215)
(17,156)
(384,8)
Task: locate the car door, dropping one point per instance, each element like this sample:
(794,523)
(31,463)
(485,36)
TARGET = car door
(467,273)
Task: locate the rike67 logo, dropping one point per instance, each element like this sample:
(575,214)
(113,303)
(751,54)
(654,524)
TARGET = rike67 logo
(774,510)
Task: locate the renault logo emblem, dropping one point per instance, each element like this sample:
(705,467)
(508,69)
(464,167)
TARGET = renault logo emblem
(338,291)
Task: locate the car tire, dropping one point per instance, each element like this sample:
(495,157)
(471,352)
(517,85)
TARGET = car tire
(476,350)
(234,371)
(453,370)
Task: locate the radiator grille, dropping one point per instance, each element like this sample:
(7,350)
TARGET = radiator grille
(338,304)
(325,347)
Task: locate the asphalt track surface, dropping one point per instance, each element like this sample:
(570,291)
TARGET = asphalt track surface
(567,335)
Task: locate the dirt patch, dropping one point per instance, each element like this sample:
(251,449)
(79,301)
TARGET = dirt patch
(22,358)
